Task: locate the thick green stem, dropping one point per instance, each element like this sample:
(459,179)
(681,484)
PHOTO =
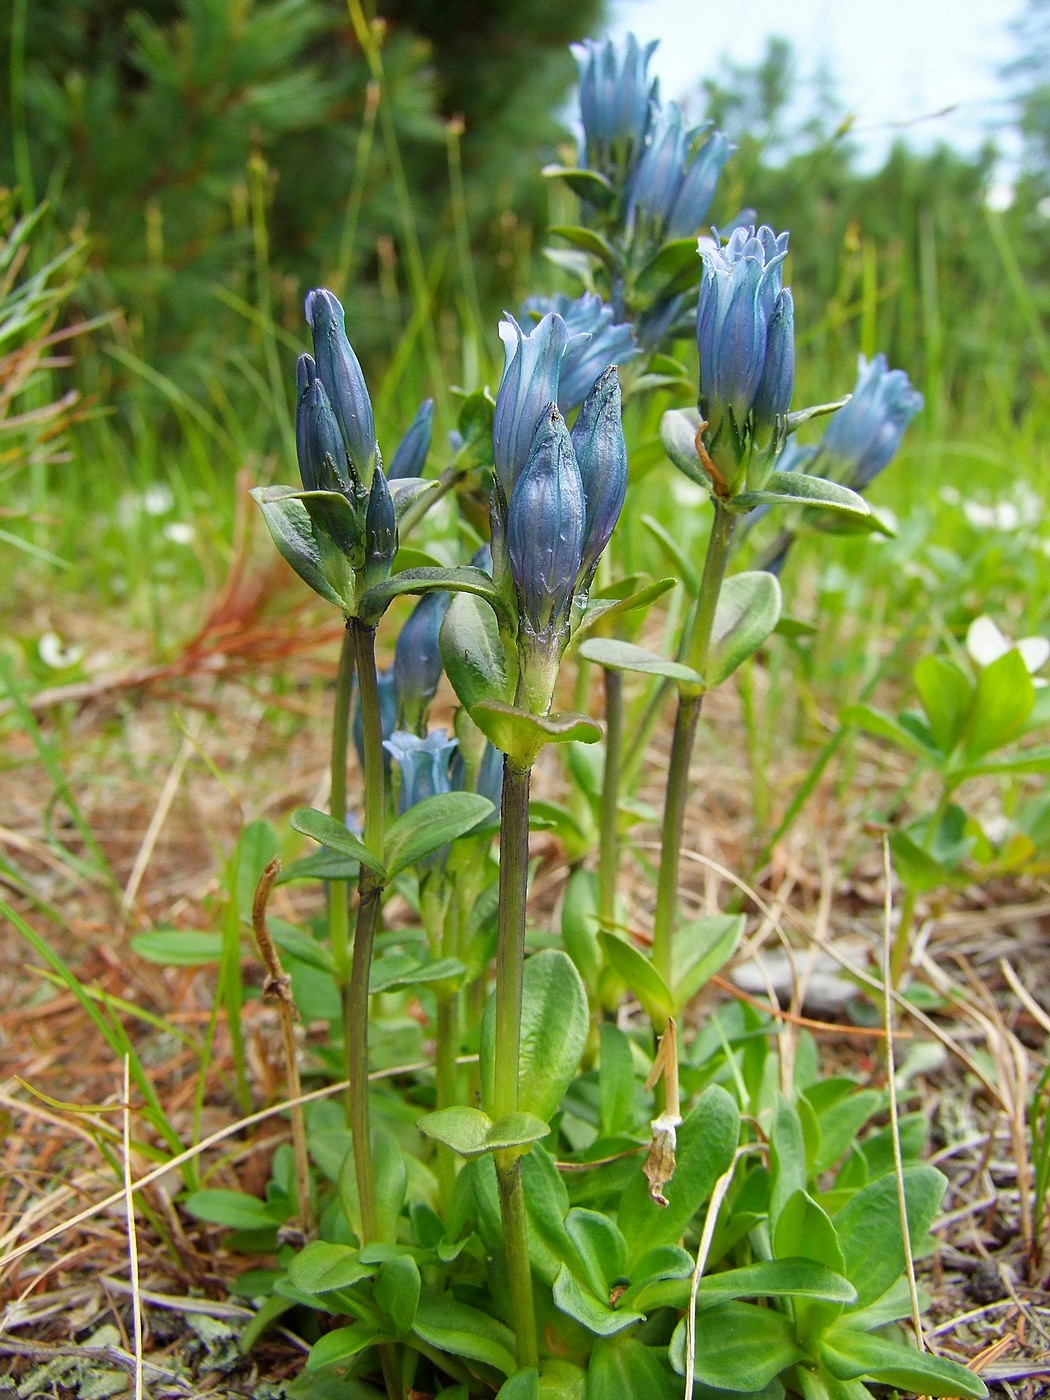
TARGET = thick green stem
(338,891)
(696,643)
(370,893)
(519,1274)
(510,963)
(609,841)
(446,1075)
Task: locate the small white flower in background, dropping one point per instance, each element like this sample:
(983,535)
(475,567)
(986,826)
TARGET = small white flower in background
(157,500)
(178,532)
(986,644)
(53,652)
(1004,515)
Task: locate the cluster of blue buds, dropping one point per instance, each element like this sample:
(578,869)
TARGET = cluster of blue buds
(745,336)
(610,342)
(865,434)
(616,98)
(557,494)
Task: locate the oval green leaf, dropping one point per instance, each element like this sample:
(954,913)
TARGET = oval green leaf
(431,824)
(335,835)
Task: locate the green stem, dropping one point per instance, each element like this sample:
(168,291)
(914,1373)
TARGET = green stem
(696,642)
(447,1031)
(510,963)
(902,940)
(429,499)
(515,1236)
(609,840)
(370,893)
(338,892)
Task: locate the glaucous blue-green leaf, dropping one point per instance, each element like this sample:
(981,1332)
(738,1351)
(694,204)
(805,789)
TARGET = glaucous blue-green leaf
(521,735)
(464,578)
(431,824)
(1003,700)
(739,1346)
(578,1302)
(869,1228)
(322,865)
(623,656)
(851,1355)
(334,834)
(585,240)
(406,489)
(798,489)
(320,1267)
(702,947)
(747,612)
(615,1081)
(640,976)
(946,693)
(307,546)
(555,1022)
(472,652)
(816,410)
(397,1289)
(472,1133)
(678,430)
(444,1322)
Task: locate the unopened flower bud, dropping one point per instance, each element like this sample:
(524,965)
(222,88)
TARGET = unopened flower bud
(344,381)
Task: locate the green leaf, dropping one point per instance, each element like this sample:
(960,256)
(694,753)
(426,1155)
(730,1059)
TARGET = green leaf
(601,1247)
(322,865)
(1004,699)
(406,489)
(678,430)
(475,417)
(301,946)
(461,1330)
(472,652)
(1034,760)
(798,489)
(322,1268)
(602,607)
(472,1133)
(946,693)
(747,612)
(589,1311)
(523,1385)
(305,545)
(587,241)
(681,561)
(234,1209)
(257,846)
(806,1231)
(869,1228)
(343,1344)
(884,726)
(555,1021)
(787,1151)
(641,977)
(625,1369)
(916,869)
(778,1278)
(391,1182)
(702,948)
(739,1346)
(521,735)
(431,824)
(462,579)
(615,1081)
(675,269)
(178,947)
(623,656)
(397,972)
(334,834)
(849,1355)
(590,185)
(707,1140)
(397,1289)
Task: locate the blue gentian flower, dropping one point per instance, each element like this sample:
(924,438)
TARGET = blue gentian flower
(531,378)
(674,179)
(610,343)
(424,764)
(744,331)
(545,526)
(417,660)
(380,530)
(340,372)
(601,455)
(865,434)
(411,455)
(318,441)
(616,95)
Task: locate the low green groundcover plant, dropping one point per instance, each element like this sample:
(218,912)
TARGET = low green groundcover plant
(561,1200)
